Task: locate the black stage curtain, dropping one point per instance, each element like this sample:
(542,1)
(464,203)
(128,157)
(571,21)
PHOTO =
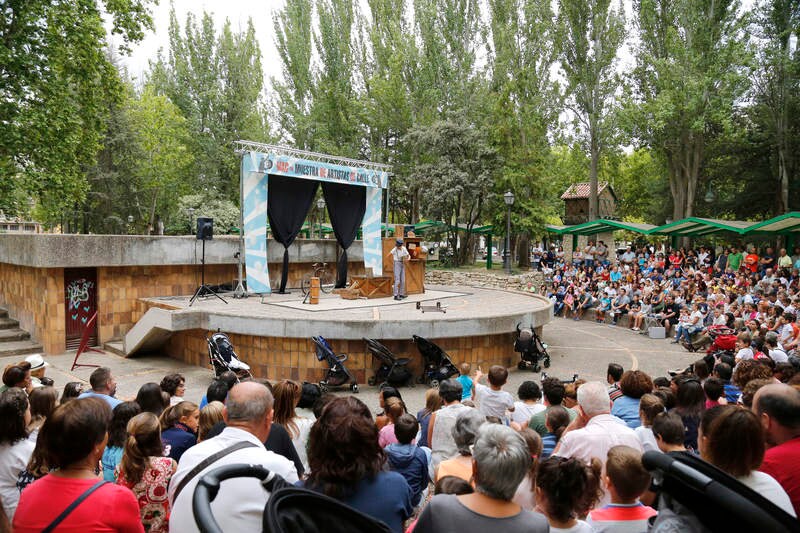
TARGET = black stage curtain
(346,205)
(288,201)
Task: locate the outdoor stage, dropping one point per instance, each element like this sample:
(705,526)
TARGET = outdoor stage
(274,336)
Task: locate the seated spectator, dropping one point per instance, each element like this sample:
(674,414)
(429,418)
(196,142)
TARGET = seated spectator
(239,506)
(351,469)
(556,420)
(72,390)
(394,409)
(553,392)
(634,384)
(287,396)
(529,403)
(613,375)
(210,415)
(407,459)
(15,447)
(17,375)
(714,390)
(433,402)
(732,439)
(724,372)
(525,496)
(567,488)
(501,460)
(104,386)
(386,392)
(493,400)
(217,391)
(175,386)
(38,369)
(626,480)
(74,438)
(440,428)
(743,347)
(146,471)
(689,405)
(775,352)
(150,398)
(650,406)
(750,390)
(179,428)
(43,400)
(465,431)
(117,435)
(778,408)
(669,432)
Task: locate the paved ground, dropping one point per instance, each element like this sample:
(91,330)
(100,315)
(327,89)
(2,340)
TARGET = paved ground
(582,347)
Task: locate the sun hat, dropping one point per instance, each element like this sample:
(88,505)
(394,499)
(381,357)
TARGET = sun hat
(37,361)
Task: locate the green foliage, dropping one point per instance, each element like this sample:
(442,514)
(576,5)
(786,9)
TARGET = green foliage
(224,212)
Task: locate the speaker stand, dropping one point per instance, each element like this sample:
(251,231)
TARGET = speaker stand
(203,289)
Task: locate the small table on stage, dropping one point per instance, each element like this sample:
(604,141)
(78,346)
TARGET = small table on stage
(372,287)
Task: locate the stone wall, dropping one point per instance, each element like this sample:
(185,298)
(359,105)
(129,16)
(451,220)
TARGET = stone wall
(35,297)
(484,279)
(286,358)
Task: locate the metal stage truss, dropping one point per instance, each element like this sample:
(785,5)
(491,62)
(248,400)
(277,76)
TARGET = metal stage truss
(251,146)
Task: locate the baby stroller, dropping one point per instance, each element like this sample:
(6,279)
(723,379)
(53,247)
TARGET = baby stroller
(695,496)
(437,365)
(337,375)
(393,370)
(289,509)
(222,357)
(723,340)
(531,349)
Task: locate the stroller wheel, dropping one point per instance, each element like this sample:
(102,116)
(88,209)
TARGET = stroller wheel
(536,367)
(547,361)
(323,387)
(434,383)
(371,381)
(354,388)
(521,365)
(420,379)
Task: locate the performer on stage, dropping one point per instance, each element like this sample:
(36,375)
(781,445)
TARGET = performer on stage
(400,255)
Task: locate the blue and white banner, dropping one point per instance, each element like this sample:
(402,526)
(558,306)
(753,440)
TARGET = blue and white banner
(371,232)
(255,225)
(314,170)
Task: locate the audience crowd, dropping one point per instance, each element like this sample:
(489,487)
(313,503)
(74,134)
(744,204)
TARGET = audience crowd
(558,456)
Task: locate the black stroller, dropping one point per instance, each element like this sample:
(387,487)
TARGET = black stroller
(437,365)
(531,349)
(695,496)
(289,509)
(393,370)
(337,375)
(222,357)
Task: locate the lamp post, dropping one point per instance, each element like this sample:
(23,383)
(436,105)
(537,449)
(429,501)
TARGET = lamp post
(508,198)
(130,223)
(321,207)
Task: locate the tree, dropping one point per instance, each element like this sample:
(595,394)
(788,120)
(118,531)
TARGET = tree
(55,82)
(690,71)
(589,34)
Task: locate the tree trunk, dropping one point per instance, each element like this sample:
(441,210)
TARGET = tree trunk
(523,247)
(593,202)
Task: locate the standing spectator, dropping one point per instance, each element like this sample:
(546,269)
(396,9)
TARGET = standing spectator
(104,386)
(493,400)
(175,386)
(117,435)
(442,421)
(15,447)
(501,461)
(179,425)
(553,391)
(465,380)
(529,404)
(735,259)
(465,431)
(778,408)
(146,471)
(732,439)
(352,470)
(74,438)
(407,459)
(567,488)
(239,506)
(634,384)
(287,396)
(150,398)
(433,402)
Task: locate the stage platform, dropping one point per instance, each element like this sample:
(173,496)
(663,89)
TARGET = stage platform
(478,327)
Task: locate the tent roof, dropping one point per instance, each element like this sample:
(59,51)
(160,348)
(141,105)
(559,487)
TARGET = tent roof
(696,227)
(786,223)
(601,225)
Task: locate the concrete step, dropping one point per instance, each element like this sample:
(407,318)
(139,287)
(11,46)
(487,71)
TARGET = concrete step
(115,346)
(15,334)
(8,323)
(8,349)
(3,313)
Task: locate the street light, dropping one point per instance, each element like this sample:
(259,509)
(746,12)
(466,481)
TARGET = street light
(508,198)
(711,195)
(130,222)
(321,207)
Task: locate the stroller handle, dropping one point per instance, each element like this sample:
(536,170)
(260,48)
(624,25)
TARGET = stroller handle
(208,487)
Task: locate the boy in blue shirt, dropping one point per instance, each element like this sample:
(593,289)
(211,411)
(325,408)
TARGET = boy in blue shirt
(408,459)
(466,381)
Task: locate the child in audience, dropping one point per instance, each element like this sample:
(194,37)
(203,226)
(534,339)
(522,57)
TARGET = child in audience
(714,389)
(466,381)
(529,395)
(743,345)
(525,495)
(567,488)
(650,406)
(626,480)
(394,409)
(669,432)
(493,400)
(556,420)
(407,459)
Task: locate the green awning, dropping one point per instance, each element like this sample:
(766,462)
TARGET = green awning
(698,227)
(782,224)
(601,225)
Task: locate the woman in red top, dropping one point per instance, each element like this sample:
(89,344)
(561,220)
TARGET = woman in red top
(146,471)
(74,437)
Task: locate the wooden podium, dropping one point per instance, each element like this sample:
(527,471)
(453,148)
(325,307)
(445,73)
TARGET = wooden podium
(415,268)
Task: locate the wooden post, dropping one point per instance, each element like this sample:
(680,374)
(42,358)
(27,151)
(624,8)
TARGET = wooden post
(314,290)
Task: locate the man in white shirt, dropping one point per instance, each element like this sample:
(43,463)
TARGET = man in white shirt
(239,506)
(399,256)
